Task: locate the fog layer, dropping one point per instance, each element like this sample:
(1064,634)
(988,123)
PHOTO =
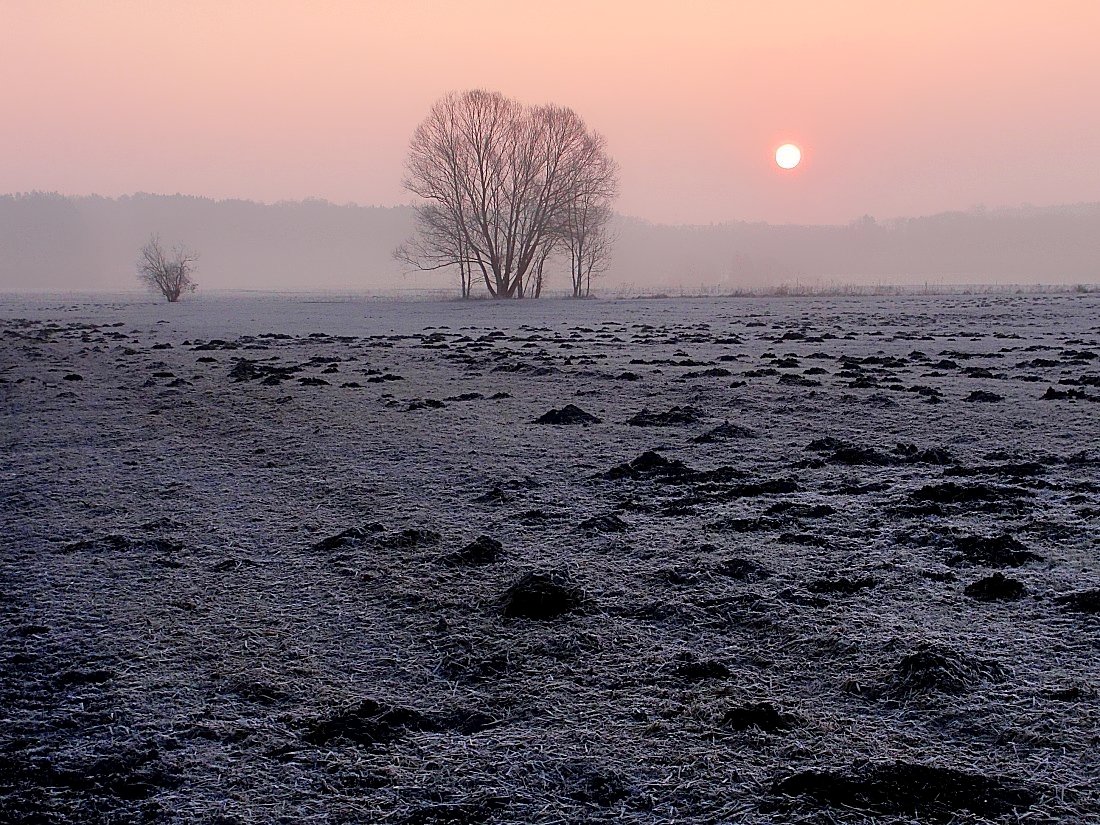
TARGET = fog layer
(50,242)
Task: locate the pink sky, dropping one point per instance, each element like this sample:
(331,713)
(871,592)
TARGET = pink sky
(901,108)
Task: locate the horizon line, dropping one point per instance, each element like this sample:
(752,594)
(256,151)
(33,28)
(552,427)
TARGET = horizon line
(975,210)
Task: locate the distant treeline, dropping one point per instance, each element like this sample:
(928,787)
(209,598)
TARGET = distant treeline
(52,242)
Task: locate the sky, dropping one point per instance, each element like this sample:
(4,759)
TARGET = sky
(900,108)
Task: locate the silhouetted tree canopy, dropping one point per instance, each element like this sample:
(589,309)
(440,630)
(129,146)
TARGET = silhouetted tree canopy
(503,187)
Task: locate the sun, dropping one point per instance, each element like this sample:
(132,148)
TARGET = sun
(788,156)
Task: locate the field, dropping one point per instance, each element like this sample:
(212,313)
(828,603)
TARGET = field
(270,559)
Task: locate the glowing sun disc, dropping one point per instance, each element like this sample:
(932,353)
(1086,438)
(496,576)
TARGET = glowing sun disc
(788,156)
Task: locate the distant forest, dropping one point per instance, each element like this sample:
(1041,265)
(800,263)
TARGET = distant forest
(52,242)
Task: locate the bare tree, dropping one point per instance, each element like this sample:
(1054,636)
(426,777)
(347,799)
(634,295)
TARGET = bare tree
(593,250)
(496,180)
(586,232)
(167,272)
(438,244)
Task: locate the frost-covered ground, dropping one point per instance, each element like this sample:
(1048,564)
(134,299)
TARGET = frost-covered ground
(268,559)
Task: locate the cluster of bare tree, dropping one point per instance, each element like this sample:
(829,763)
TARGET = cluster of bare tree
(506,187)
(168,272)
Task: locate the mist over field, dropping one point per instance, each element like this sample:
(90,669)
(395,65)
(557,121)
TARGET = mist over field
(52,242)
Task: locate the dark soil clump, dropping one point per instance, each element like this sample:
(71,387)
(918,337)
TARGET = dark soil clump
(412,538)
(951,493)
(828,444)
(934,668)
(860,456)
(494,496)
(995,588)
(1086,601)
(650,465)
(350,538)
(991,551)
(693,669)
(247,370)
(910,789)
(984,396)
(843,585)
(570,414)
(724,432)
(371,723)
(471,812)
(542,595)
(744,570)
(482,550)
(609,523)
(592,785)
(761,715)
(676,416)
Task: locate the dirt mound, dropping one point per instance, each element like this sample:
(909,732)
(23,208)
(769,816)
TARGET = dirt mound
(494,496)
(526,369)
(608,523)
(744,570)
(772,486)
(1072,693)
(131,771)
(950,492)
(910,789)
(80,677)
(842,585)
(119,543)
(650,465)
(828,444)
(860,457)
(350,538)
(690,667)
(134,771)
(795,509)
(934,668)
(676,416)
(984,396)
(759,524)
(253,690)
(761,715)
(1061,395)
(1028,469)
(792,380)
(248,370)
(542,595)
(468,812)
(481,550)
(912,454)
(724,432)
(713,372)
(991,551)
(534,518)
(158,551)
(411,538)
(1085,601)
(995,588)
(570,414)
(371,723)
(591,784)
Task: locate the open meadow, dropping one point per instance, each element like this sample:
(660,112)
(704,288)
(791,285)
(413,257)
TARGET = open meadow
(753,560)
